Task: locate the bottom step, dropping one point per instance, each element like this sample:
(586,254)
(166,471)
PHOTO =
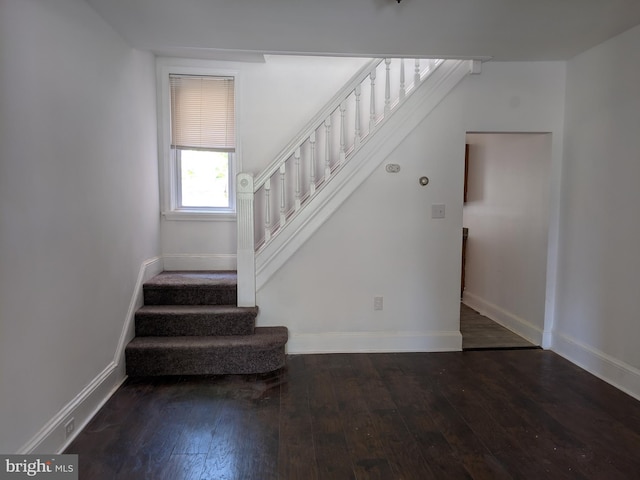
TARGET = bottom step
(215,355)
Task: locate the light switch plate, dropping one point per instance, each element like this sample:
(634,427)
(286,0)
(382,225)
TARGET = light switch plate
(437,210)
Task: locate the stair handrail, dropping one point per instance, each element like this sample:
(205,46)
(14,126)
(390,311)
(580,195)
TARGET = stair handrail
(316,122)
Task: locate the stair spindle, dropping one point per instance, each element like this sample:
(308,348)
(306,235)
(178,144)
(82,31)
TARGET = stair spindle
(358,137)
(296,156)
(267,210)
(283,215)
(327,149)
(372,108)
(416,73)
(402,87)
(312,163)
(343,155)
(387,86)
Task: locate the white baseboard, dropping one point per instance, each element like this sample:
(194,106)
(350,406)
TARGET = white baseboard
(373,342)
(507,319)
(52,436)
(188,261)
(547,339)
(613,371)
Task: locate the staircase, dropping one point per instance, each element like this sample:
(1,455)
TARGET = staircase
(281,208)
(196,323)
(190,324)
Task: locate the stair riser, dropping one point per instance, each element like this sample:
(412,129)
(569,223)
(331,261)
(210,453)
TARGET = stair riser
(223,295)
(162,325)
(220,361)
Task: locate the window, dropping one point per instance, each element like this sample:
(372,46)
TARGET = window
(203,178)
(199,136)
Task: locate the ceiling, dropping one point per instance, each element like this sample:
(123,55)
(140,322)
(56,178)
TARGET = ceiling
(505,30)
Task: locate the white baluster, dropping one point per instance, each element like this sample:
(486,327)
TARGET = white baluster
(372,107)
(267,210)
(387,86)
(296,156)
(283,215)
(402,88)
(327,149)
(343,154)
(416,74)
(246,264)
(312,163)
(358,135)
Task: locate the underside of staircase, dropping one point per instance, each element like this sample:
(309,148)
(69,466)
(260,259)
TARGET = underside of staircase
(190,324)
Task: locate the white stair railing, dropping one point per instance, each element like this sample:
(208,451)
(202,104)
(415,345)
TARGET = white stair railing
(266,204)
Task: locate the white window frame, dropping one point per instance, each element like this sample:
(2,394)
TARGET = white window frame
(169,174)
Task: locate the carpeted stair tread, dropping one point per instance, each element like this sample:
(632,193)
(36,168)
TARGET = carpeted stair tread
(192,320)
(263,337)
(261,352)
(192,288)
(186,278)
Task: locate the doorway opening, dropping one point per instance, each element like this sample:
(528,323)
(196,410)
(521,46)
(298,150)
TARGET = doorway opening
(506,221)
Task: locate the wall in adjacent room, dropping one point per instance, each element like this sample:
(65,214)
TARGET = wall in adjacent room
(78,209)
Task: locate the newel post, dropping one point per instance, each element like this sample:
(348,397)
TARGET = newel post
(246,262)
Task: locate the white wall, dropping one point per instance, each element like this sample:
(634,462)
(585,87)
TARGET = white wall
(507,213)
(382,241)
(276,99)
(597,313)
(78,207)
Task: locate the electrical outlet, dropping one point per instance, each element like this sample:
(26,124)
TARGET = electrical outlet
(69,427)
(377,303)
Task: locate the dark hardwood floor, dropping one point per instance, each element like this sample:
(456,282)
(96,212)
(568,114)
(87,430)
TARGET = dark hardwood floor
(525,414)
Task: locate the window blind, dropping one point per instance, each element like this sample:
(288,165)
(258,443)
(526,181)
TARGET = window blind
(203,112)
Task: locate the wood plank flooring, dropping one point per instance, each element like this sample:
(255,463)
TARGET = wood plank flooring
(479,332)
(480,414)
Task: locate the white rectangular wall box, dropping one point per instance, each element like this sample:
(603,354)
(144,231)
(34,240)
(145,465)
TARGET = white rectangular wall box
(437,211)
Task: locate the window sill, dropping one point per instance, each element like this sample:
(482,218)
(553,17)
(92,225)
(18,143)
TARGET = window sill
(191,215)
